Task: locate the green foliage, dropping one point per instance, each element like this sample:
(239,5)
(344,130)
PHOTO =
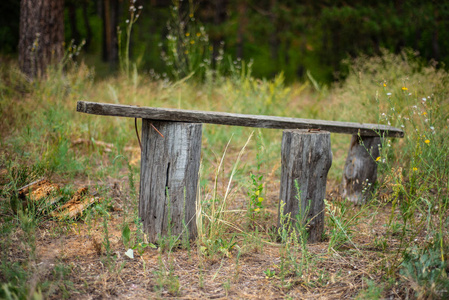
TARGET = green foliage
(188,51)
(372,292)
(134,13)
(413,180)
(165,277)
(9,291)
(255,193)
(341,223)
(219,245)
(269,273)
(426,271)
(293,235)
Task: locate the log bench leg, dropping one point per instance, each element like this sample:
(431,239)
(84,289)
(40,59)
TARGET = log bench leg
(306,160)
(360,172)
(169,177)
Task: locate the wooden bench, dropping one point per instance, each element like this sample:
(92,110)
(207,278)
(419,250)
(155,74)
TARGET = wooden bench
(170,164)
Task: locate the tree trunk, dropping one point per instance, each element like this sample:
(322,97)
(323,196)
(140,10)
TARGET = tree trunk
(110,22)
(87,24)
(360,171)
(436,53)
(274,40)
(71,7)
(169,178)
(219,18)
(243,20)
(41,35)
(306,160)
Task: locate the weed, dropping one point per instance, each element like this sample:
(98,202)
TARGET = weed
(227,286)
(134,13)
(373,291)
(166,278)
(341,223)
(187,51)
(255,192)
(293,235)
(426,272)
(269,273)
(212,215)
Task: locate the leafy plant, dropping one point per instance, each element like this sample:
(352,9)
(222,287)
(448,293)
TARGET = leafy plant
(426,272)
(134,13)
(269,273)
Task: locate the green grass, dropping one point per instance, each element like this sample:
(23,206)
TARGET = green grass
(399,238)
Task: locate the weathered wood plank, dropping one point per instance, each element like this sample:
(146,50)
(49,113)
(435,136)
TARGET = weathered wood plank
(306,160)
(179,115)
(169,178)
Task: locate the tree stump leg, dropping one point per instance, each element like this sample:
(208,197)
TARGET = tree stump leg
(306,160)
(169,178)
(360,172)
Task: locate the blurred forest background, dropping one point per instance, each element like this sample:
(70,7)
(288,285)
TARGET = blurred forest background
(286,36)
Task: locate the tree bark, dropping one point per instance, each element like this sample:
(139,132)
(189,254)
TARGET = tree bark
(274,39)
(219,18)
(41,35)
(306,160)
(87,24)
(110,22)
(71,7)
(169,178)
(360,172)
(243,20)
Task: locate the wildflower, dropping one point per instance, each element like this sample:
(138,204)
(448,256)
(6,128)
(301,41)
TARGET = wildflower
(191,15)
(404,88)
(388,94)
(260,199)
(427,142)
(256,209)
(198,34)
(385,84)
(187,34)
(424,113)
(378,158)
(415,169)
(192,42)
(424,99)
(140,7)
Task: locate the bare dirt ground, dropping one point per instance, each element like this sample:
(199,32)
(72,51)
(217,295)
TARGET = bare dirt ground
(77,250)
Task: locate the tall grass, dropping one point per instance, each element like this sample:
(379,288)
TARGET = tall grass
(39,130)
